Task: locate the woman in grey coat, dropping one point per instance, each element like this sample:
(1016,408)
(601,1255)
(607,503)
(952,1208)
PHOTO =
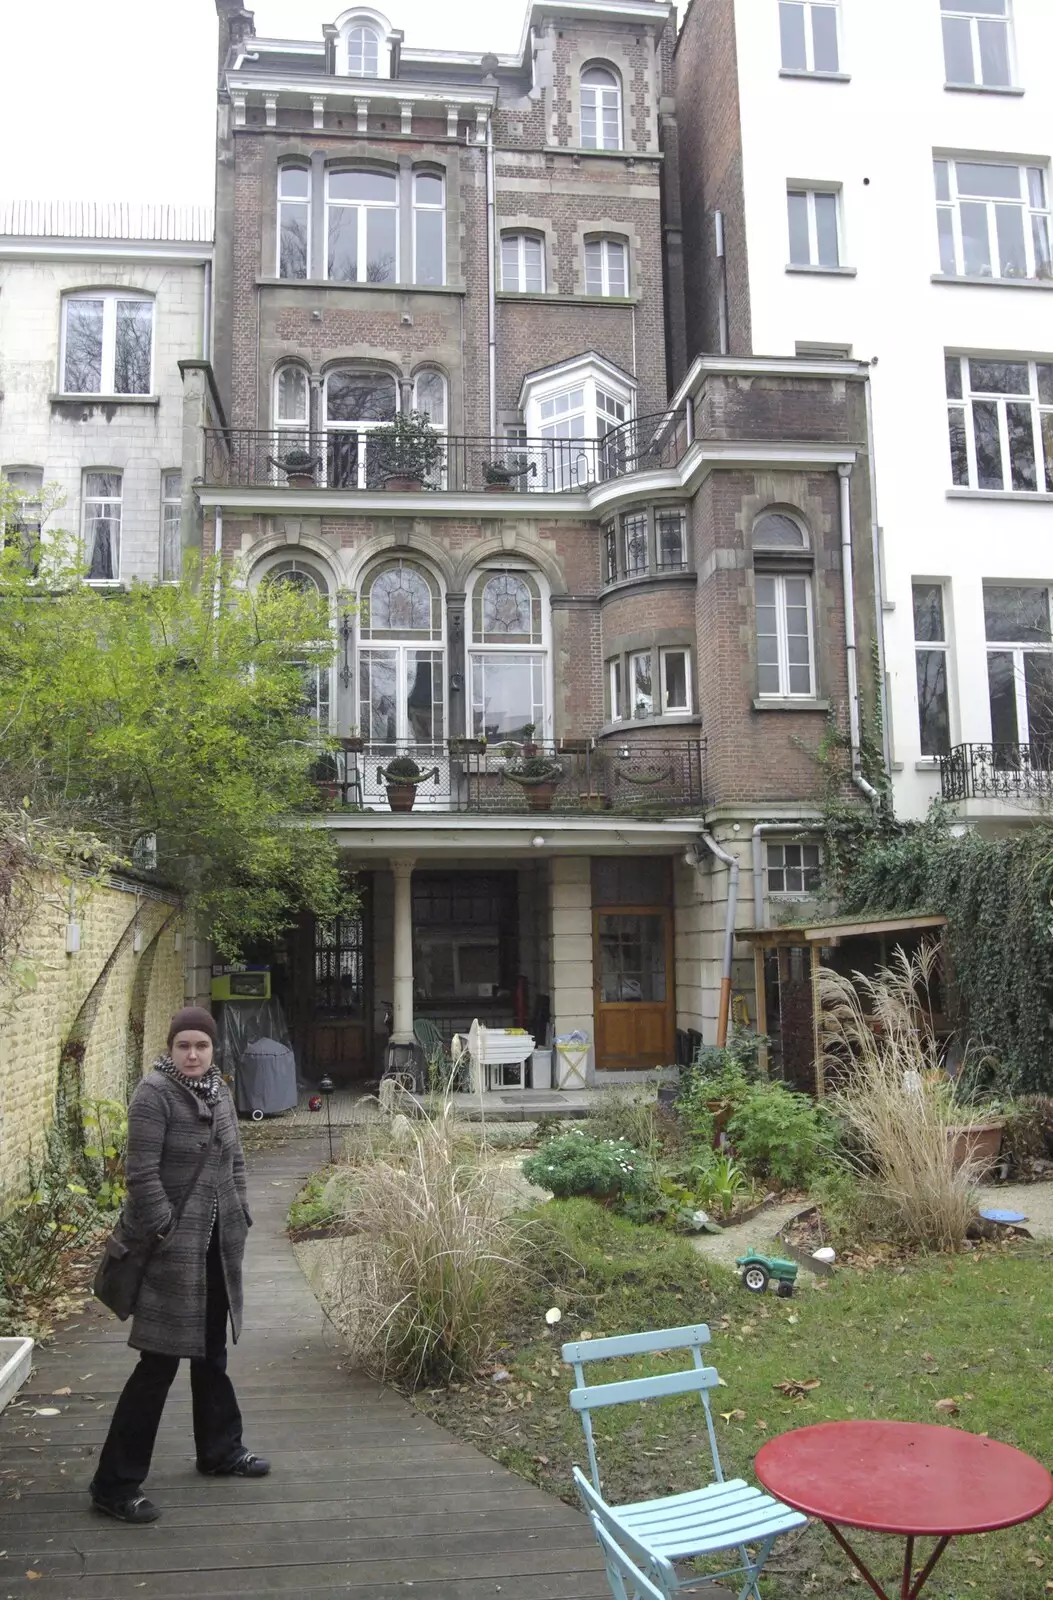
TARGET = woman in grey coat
(192,1286)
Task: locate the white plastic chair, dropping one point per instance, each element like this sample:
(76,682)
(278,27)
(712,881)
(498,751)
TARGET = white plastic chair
(723,1516)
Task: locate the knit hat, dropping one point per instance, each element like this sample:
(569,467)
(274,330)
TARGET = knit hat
(193,1019)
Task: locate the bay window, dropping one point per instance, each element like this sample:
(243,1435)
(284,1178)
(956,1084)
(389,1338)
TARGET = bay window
(575,406)
(107,343)
(508,657)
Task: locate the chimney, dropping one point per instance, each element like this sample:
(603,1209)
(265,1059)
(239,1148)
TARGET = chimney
(235,25)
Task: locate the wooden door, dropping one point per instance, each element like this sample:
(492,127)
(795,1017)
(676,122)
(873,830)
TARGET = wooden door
(635,1002)
(330,1015)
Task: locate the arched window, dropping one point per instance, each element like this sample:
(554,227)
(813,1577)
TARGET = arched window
(363,52)
(401,675)
(295,573)
(784,609)
(356,403)
(291,412)
(601,110)
(606,267)
(508,658)
(430,397)
(429,228)
(361,219)
(294,222)
(523,262)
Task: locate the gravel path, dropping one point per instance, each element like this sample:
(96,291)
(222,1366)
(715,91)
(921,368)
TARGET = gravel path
(760,1233)
(1035,1200)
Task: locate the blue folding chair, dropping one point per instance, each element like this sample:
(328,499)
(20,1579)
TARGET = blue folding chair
(724,1516)
(622,1570)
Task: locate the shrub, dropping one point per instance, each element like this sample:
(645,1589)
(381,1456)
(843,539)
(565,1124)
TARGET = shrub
(779,1134)
(429,1272)
(577,1163)
(55,1217)
(627,1114)
(898,1102)
(106,1130)
(402,769)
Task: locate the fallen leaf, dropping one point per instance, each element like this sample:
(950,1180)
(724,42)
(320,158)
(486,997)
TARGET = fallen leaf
(733,1416)
(67,1390)
(32,1574)
(46,1411)
(950,1407)
(796,1389)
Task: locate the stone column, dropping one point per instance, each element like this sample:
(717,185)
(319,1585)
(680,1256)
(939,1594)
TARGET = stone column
(570,950)
(402,872)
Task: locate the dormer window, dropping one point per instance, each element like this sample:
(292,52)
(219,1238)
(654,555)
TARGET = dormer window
(363,52)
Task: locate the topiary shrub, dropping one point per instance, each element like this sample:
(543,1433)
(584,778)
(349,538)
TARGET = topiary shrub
(403,769)
(577,1163)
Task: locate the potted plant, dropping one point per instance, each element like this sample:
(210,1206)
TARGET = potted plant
(406,453)
(326,776)
(352,742)
(538,776)
(466,745)
(529,747)
(299,466)
(499,478)
(401,777)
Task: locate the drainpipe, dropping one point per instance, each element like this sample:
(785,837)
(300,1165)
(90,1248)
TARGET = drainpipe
(879,580)
(759,833)
(206,320)
(729,927)
(491,269)
(845,475)
(217,590)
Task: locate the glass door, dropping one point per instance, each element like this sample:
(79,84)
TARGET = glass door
(635,1019)
(403,714)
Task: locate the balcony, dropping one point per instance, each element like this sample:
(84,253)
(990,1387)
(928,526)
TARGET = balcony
(633,777)
(1020,775)
(341,459)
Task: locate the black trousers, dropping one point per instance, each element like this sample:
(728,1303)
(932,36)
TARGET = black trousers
(126,1455)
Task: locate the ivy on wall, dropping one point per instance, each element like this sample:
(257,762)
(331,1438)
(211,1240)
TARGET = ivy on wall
(996,894)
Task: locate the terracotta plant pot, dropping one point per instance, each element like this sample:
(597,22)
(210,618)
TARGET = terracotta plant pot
(330,790)
(539,796)
(300,480)
(353,746)
(498,488)
(401,796)
(980,1142)
(399,485)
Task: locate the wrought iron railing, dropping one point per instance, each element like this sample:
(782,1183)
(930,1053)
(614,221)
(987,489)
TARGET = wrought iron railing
(1013,772)
(633,776)
(349,458)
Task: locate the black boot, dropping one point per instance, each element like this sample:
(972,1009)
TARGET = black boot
(134,1507)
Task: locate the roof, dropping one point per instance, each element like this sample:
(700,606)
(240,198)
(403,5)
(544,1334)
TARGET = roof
(831,933)
(91,219)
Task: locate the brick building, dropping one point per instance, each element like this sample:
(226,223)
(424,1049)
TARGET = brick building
(98,306)
(626,571)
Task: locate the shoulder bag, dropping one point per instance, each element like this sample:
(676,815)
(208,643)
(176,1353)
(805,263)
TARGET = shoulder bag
(119,1275)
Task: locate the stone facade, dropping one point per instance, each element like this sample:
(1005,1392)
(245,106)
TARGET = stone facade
(111,998)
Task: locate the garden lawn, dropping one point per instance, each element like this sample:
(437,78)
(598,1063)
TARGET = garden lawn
(976,1329)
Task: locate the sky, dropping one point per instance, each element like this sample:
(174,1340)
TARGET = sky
(115,99)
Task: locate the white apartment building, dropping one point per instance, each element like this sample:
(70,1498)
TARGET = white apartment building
(99,305)
(876,182)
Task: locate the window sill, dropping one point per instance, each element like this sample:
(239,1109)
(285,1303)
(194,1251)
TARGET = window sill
(366,288)
(104,399)
(991,283)
(671,719)
(822,77)
(927,764)
(634,580)
(603,155)
(1025,495)
(826,272)
(544,297)
(774,703)
(983,88)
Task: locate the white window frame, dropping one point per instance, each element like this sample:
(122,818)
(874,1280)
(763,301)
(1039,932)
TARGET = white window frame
(400,646)
(440,424)
(810,191)
(377,25)
(521,241)
(809,9)
(430,209)
(603,252)
(601,97)
(1018,650)
(540,654)
(26,525)
(663,657)
(633,713)
(110,299)
(575,456)
(357,43)
(780,580)
(1041,421)
(362,428)
(934,647)
(948,9)
(1035,218)
(363,207)
(102,500)
(171,519)
(302,201)
(614,688)
(777,859)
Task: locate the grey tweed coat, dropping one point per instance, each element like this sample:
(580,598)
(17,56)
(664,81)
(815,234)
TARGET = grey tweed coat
(167,1127)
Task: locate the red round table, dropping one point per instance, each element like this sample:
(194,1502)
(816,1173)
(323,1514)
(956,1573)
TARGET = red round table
(915,1480)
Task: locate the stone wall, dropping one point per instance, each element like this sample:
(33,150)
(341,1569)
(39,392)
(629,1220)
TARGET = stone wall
(110,997)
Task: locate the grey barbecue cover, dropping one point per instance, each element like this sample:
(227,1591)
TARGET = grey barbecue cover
(266,1078)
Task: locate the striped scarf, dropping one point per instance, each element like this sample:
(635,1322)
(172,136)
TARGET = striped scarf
(206,1088)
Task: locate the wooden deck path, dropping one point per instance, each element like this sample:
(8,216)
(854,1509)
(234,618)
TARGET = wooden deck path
(367,1498)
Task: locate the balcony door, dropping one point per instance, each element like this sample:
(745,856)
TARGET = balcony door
(402,678)
(635,1010)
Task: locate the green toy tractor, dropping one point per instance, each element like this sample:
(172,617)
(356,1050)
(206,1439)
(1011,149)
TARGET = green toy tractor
(757,1271)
